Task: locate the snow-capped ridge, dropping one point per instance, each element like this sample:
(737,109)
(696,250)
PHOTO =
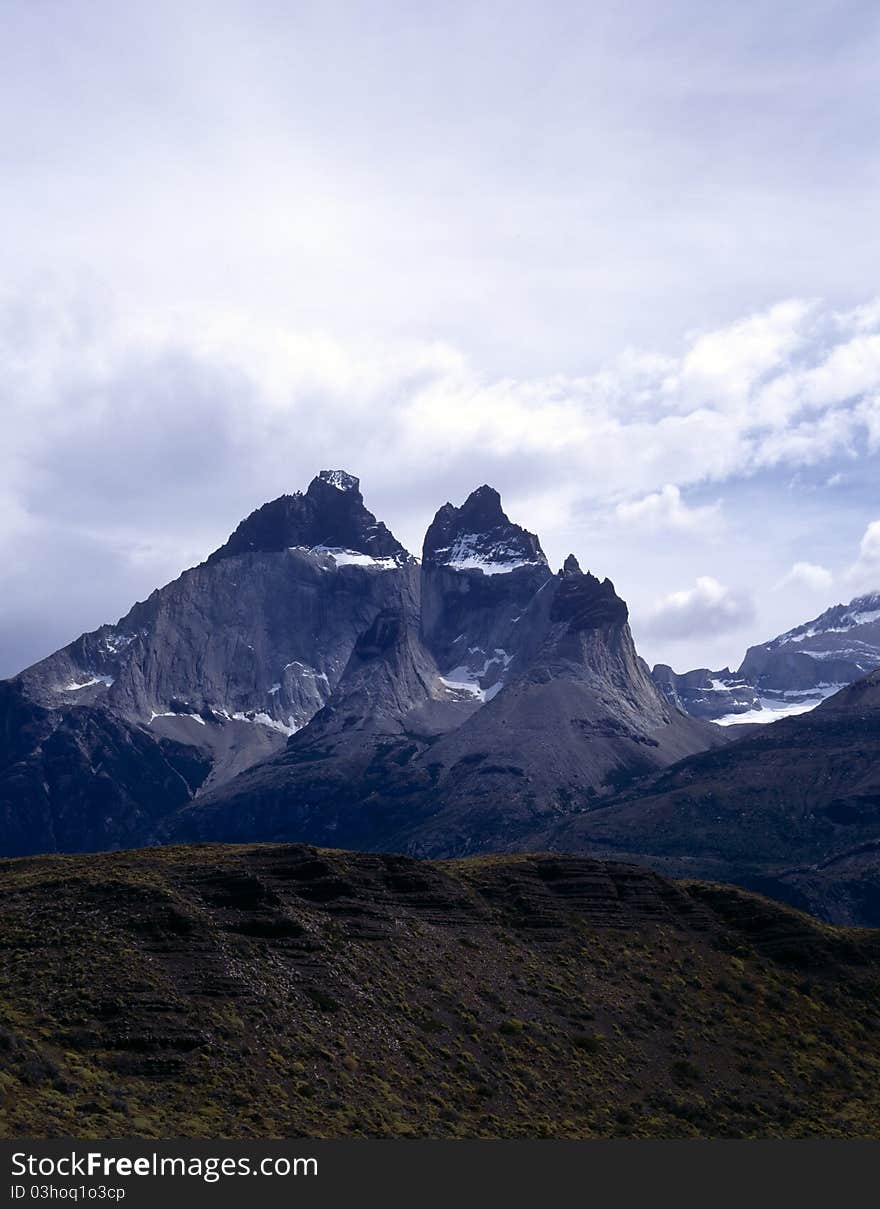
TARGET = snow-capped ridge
(790,674)
(469,553)
(863,610)
(340,479)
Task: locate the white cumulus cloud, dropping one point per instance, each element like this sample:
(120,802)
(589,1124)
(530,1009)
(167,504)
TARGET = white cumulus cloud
(665,509)
(708,608)
(807,575)
(865,571)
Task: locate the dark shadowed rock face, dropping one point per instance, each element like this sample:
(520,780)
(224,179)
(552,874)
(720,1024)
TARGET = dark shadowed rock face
(581,602)
(330,514)
(480,536)
(480,574)
(85,779)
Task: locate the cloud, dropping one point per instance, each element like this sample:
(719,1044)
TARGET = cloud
(171,413)
(148,434)
(665,509)
(708,608)
(723,368)
(807,575)
(865,571)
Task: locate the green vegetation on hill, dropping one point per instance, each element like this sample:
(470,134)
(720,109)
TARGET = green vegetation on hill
(278,991)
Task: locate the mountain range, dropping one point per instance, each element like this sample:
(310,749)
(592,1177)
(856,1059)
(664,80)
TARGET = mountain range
(312,681)
(788,675)
(311,671)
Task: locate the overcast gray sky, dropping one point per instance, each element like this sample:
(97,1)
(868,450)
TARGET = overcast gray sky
(618,259)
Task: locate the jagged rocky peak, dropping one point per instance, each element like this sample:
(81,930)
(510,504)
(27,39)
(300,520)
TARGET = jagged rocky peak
(480,574)
(329,517)
(480,537)
(571,566)
(584,602)
(340,479)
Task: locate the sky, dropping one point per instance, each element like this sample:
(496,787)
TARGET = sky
(619,260)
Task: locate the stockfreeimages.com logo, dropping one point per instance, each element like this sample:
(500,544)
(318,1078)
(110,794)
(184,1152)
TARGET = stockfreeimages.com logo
(96,1165)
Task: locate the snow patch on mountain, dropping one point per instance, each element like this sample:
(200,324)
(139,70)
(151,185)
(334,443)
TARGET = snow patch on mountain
(771,709)
(171,713)
(468,678)
(307,673)
(75,686)
(264,719)
(864,610)
(353,558)
(339,479)
(469,553)
(112,644)
(349,558)
(464,680)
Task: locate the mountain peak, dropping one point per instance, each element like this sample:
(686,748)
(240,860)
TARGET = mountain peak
(484,505)
(571,566)
(340,479)
(586,603)
(330,515)
(479,536)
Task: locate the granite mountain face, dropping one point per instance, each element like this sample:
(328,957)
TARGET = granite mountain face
(259,633)
(222,665)
(312,678)
(468,764)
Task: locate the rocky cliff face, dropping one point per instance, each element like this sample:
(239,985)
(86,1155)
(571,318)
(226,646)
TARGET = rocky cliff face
(241,652)
(480,573)
(579,719)
(469,767)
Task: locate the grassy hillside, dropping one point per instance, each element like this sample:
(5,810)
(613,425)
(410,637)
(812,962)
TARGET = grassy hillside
(271,991)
